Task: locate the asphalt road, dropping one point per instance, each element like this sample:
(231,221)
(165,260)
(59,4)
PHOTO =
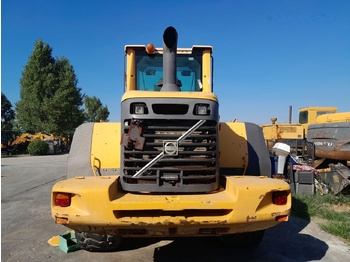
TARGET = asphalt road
(27,225)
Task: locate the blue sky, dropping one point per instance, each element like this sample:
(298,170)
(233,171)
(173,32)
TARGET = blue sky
(268,55)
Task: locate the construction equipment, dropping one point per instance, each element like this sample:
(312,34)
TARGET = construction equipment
(320,139)
(330,136)
(169,168)
(18,143)
(322,132)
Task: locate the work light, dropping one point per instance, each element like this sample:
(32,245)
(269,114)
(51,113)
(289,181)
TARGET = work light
(139,109)
(201,110)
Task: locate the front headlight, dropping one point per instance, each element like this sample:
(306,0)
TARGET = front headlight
(138,108)
(202,110)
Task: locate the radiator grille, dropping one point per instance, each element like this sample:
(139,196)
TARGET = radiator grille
(192,169)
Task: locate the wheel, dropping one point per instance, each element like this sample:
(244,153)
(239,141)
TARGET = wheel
(97,243)
(79,155)
(243,239)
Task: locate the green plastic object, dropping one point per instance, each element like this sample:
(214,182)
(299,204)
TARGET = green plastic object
(68,242)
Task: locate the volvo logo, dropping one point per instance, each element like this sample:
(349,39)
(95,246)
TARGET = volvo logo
(170,147)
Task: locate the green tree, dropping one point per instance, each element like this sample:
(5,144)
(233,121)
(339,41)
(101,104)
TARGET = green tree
(7,113)
(94,110)
(50,100)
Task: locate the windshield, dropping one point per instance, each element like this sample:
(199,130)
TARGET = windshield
(149,71)
(303,117)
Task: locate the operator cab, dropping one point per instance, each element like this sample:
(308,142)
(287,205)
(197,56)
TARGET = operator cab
(146,69)
(149,72)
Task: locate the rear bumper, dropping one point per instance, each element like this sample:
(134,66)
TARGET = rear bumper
(98,205)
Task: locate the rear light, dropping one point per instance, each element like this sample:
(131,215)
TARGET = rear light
(62,199)
(280,197)
(282,218)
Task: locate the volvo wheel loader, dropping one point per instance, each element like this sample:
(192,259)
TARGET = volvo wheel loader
(169,168)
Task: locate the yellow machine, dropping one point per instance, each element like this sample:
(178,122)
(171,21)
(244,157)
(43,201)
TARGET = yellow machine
(18,144)
(169,168)
(307,116)
(322,132)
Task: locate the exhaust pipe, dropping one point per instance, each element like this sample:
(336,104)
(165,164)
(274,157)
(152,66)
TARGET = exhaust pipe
(170,82)
(290,114)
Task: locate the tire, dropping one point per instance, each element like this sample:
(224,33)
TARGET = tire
(248,239)
(97,243)
(80,152)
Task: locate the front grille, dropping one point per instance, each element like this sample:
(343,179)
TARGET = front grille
(191,168)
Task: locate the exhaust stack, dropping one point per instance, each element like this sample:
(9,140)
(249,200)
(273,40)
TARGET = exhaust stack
(170,82)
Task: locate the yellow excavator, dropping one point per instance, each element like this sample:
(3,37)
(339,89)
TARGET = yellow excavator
(11,143)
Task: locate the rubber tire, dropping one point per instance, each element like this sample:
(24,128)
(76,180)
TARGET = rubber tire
(80,152)
(247,239)
(97,243)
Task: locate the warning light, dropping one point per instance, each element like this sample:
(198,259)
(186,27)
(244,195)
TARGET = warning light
(150,49)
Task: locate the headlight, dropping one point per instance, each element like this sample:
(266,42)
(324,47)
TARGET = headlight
(138,108)
(202,110)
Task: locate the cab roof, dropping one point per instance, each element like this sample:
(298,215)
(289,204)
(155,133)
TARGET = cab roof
(179,50)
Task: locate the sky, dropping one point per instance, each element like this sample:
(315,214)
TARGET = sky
(268,54)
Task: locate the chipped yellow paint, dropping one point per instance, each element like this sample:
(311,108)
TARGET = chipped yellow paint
(97,205)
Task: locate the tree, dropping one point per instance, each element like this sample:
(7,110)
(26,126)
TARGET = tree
(94,111)
(7,113)
(50,100)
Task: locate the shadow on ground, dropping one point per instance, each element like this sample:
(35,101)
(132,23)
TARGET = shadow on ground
(281,243)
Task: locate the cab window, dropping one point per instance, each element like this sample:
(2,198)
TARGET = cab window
(323,112)
(149,71)
(303,117)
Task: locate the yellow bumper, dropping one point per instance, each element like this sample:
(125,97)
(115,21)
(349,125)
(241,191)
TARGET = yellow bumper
(98,205)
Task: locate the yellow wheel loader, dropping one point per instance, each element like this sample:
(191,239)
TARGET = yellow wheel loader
(169,168)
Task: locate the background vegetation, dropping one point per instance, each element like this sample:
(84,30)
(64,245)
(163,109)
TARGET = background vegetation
(7,113)
(38,147)
(331,213)
(50,99)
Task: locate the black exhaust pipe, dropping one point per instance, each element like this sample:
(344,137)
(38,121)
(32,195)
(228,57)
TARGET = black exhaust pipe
(170,82)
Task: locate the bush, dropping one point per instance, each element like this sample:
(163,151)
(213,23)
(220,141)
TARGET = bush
(38,147)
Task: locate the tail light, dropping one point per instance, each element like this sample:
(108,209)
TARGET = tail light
(63,199)
(280,197)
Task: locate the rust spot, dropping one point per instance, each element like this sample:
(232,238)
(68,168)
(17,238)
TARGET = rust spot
(261,196)
(332,154)
(249,218)
(275,214)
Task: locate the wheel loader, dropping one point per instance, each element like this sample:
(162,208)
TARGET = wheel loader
(169,168)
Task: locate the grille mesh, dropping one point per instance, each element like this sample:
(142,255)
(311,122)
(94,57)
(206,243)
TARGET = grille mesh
(194,164)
